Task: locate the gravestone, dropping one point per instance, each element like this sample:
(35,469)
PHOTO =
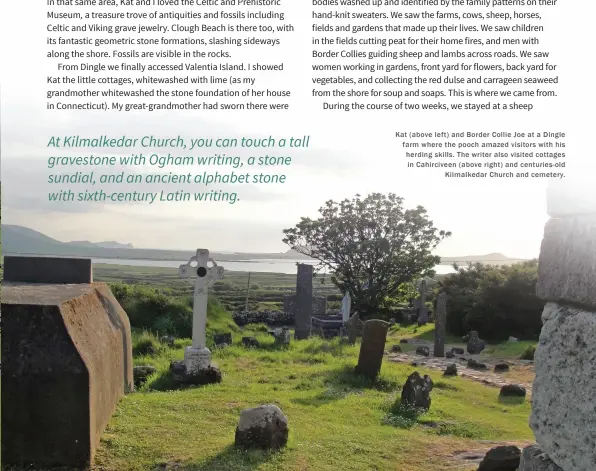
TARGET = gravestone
(415,393)
(197,358)
(372,348)
(66,362)
(354,326)
(282,337)
(346,305)
(422,309)
(303,303)
(475,343)
(440,325)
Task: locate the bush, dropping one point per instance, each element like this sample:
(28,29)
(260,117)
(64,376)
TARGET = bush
(528,353)
(496,301)
(146,344)
(160,312)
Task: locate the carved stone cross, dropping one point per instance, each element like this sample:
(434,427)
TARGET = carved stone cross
(198,355)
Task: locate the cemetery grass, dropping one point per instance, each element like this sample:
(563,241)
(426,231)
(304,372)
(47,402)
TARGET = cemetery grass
(336,420)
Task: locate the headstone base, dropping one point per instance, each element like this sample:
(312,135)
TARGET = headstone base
(205,375)
(196,359)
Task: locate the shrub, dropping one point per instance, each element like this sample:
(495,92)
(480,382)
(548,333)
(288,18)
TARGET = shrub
(528,353)
(160,312)
(146,344)
(497,301)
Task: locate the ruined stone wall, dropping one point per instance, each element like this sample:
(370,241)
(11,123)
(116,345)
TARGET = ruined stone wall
(563,406)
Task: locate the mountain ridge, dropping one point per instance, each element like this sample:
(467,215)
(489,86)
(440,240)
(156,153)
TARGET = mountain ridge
(26,241)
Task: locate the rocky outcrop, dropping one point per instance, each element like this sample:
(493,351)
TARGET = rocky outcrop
(563,418)
(534,459)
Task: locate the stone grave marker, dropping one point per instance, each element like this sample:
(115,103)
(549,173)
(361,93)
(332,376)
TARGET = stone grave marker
(440,325)
(303,302)
(354,327)
(198,357)
(372,348)
(66,362)
(346,305)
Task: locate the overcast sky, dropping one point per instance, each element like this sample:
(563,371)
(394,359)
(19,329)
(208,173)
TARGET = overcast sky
(349,153)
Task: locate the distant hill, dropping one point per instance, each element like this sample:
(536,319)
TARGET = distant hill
(26,241)
(106,245)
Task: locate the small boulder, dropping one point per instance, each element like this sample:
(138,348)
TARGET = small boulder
(209,375)
(513,340)
(501,458)
(403,340)
(458,350)
(264,427)
(475,344)
(465,338)
(396,349)
(475,364)
(501,367)
(449,354)
(451,370)
(422,351)
(513,390)
(141,373)
(416,392)
(250,342)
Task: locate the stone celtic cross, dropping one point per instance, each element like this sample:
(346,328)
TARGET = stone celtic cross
(198,355)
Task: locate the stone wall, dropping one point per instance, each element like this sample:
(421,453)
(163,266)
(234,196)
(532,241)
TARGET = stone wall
(563,412)
(66,362)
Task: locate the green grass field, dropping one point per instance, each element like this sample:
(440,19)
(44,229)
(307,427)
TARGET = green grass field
(267,290)
(336,420)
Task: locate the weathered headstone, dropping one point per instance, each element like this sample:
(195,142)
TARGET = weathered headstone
(440,325)
(282,337)
(372,348)
(198,357)
(354,326)
(66,362)
(415,393)
(475,344)
(303,303)
(346,305)
(422,309)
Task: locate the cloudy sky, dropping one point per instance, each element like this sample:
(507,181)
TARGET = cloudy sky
(349,153)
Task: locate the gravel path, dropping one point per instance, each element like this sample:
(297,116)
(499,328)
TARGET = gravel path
(487,376)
